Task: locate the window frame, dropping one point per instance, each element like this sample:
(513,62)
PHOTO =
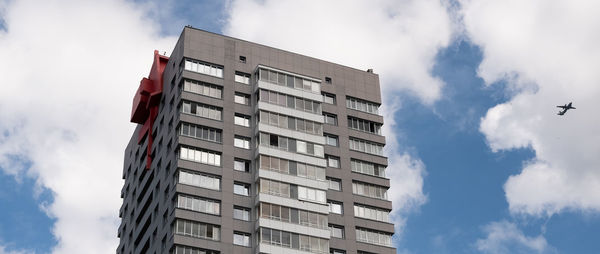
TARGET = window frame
(246,213)
(332,116)
(245,120)
(342,234)
(247,165)
(246,240)
(331,97)
(245,97)
(243,185)
(245,142)
(331,203)
(331,180)
(334,158)
(329,137)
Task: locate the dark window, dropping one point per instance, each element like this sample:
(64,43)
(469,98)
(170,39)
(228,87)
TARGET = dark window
(273,140)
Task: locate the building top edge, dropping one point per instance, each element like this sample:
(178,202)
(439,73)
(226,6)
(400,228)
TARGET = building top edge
(369,71)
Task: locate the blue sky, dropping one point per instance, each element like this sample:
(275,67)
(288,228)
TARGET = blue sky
(482,164)
(23,222)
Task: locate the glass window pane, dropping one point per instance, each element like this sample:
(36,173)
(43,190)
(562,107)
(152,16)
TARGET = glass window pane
(265,235)
(301,146)
(264,74)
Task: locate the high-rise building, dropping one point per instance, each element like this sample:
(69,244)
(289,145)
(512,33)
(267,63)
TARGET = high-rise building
(244,148)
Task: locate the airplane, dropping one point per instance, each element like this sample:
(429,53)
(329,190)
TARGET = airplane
(565,108)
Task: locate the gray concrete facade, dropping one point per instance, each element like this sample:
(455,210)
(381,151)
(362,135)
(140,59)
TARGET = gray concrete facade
(185,202)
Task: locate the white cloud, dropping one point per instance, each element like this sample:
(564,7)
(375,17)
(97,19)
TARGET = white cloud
(399,39)
(505,237)
(548,52)
(70,70)
(75,65)
(406,173)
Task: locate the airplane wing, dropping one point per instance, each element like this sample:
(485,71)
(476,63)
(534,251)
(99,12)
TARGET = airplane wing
(563,107)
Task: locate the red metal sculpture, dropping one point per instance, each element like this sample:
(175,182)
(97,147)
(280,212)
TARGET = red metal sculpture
(147,100)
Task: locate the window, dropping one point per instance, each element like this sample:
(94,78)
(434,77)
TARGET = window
(335,184)
(241,213)
(332,161)
(309,148)
(331,140)
(200,180)
(362,105)
(241,165)
(290,101)
(330,118)
(274,164)
(371,213)
(311,194)
(328,80)
(335,207)
(204,68)
(289,122)
(202,110)
(275,188)
(369,190)
(241,98)
(365,146)
(201,132)
(241,189)
(242,239)
(242,59)
(203,88)
(190,250)
(294,240)
(287,144)
(329,98)
(287,167)
(283,79)
(241,77)
(242,120)
(373,237)
(241,142)
(364,125)
(197,229)
(198,204)
(293,215)
(200,155)
(336,231)
(334,251)
(367,168)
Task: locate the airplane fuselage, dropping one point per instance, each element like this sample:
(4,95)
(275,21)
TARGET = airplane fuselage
(565,108)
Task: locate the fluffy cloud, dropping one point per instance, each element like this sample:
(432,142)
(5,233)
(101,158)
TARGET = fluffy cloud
(505,237)
(548,52)
(399,39)
(75,65)
(406,173)
(70,69)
